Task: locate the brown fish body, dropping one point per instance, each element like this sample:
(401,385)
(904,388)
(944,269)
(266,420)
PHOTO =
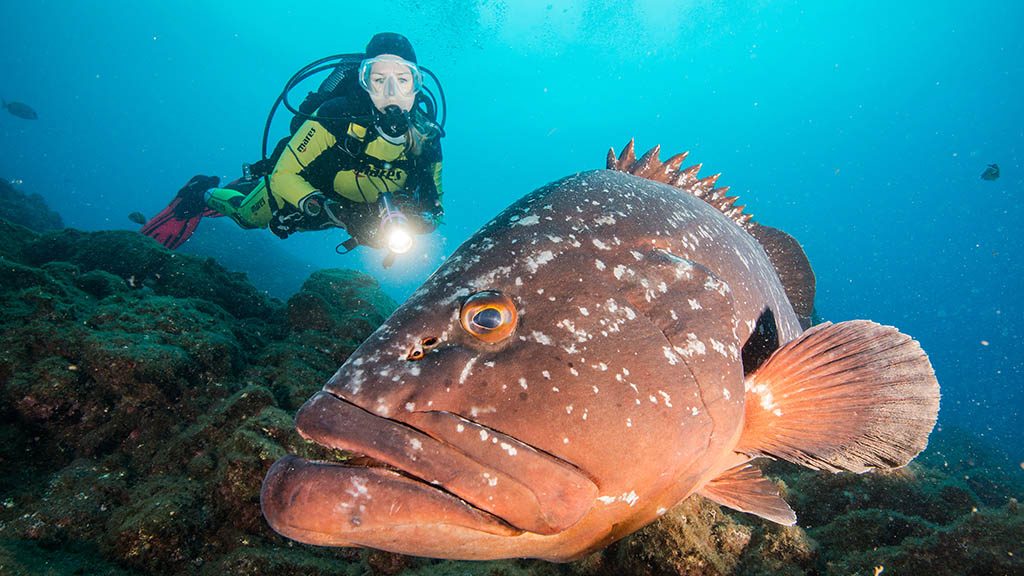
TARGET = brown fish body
(619,391)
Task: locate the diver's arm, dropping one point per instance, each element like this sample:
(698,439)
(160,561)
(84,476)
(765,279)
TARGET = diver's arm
(429,180)
(286,182)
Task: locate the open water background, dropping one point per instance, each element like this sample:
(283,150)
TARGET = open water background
(861,128)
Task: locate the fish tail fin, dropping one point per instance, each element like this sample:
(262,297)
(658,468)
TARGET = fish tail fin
(850,396)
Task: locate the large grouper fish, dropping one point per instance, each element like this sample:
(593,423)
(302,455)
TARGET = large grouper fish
(605,347)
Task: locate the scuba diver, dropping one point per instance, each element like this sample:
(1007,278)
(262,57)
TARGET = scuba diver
(364,155)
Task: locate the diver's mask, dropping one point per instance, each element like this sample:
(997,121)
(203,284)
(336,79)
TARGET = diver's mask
(389,79)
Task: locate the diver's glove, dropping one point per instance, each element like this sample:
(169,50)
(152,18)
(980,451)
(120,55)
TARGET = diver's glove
(284,222)
(191,197)
(434,217)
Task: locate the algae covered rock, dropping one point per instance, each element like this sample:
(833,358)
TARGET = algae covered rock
(141,403)
(143,263)
(345,303)
(694,537)
(28,210)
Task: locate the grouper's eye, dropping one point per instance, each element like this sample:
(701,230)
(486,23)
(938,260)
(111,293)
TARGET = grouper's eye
(490,316)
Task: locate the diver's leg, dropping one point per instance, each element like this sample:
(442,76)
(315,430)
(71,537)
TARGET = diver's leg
(250,210)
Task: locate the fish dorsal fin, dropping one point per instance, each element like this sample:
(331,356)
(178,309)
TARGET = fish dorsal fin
(791,264)
(743,488)
(685,179)
(783,250)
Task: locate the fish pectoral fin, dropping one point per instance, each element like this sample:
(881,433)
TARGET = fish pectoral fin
(743,488)
(850,396)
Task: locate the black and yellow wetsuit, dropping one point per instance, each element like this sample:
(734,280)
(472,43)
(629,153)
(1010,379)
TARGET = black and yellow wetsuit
(340,154)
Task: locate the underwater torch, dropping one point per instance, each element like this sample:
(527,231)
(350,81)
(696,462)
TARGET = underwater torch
(394,226)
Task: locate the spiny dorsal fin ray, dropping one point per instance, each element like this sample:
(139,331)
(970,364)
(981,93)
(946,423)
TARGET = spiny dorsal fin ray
(651,168)
(785,252)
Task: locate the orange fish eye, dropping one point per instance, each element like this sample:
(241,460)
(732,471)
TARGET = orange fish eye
(490,316)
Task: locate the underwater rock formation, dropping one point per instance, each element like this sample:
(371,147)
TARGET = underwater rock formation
(28,210)
(144,394)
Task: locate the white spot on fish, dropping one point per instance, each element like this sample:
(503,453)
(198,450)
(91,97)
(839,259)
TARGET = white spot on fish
(600,265)
(600,245)
(528,221)
(672,358)
(483,435)
(619,271)
(718,347)
(358,488)
(532,264)
(460,428)
(693,346)
(726,394)
(694,304)
(467,370)
(410,406)
(522,383)
(584,311)
(509,448)
(416,444)
(666,398)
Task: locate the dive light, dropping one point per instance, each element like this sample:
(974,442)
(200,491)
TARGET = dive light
(394,226)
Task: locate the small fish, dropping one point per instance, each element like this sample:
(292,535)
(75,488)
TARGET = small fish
(137,217)
(991,172)
(20,110)
(605,347)
(16,181)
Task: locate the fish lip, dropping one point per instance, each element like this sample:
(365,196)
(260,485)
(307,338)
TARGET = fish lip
(329,504)
(535,492)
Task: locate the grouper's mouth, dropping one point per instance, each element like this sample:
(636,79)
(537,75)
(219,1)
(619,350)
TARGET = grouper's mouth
(430,471)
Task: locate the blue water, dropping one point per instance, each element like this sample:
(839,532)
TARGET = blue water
(859,127)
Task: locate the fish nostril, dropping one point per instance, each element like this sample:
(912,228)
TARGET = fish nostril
(415,354)
(430,342)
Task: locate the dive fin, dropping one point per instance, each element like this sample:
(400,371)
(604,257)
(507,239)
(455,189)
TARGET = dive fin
(791,264)
(850,396)
(172,230)
(743,488)
(176,223)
